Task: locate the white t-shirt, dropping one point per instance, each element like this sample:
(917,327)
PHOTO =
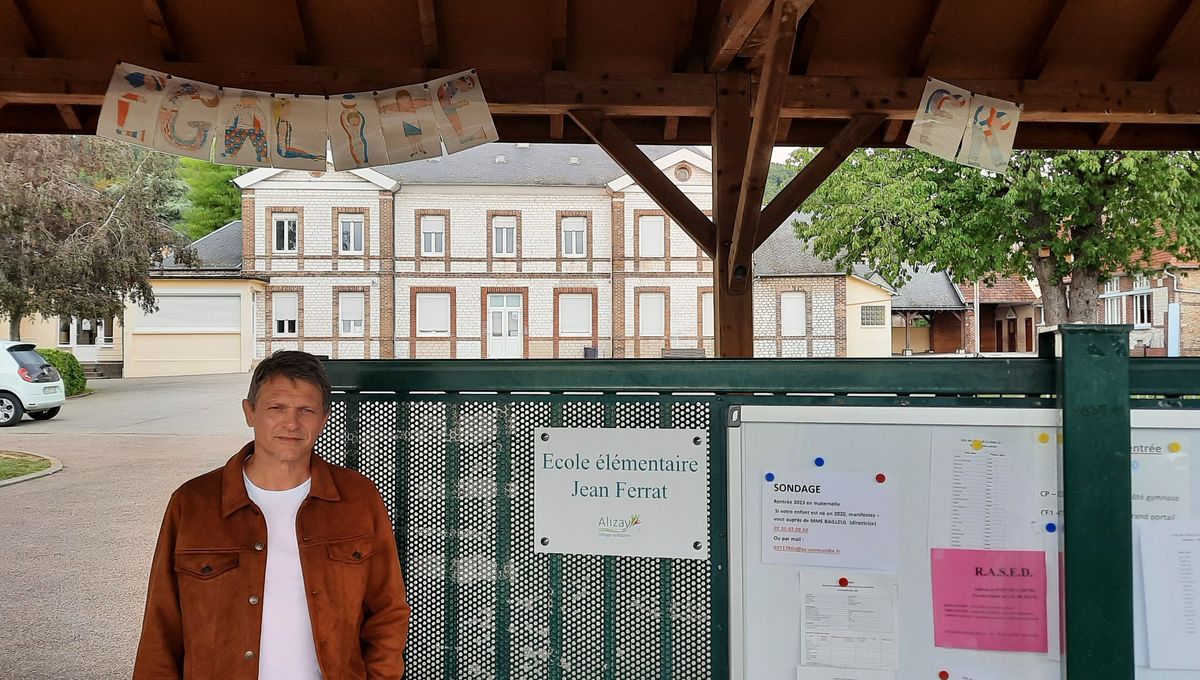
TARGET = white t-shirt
(286,650)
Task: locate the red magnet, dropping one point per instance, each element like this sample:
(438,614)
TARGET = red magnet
(880,478)
(843,582)
(944,675)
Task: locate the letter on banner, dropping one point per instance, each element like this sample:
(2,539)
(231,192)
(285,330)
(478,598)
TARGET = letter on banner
(354,132)
(245,124)
(131,104)
(409,123)
(298,135)
(187,118)
(939,123)
(991,129)
(462,113)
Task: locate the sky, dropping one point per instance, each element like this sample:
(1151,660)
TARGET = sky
(778,155)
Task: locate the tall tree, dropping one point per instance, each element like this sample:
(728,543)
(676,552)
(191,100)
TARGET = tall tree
(1069,218)
(212,199)
(81,226)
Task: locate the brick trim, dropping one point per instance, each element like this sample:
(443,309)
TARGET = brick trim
(483,313)
(618,276)
(594,338)
(413,338)
(335,217)
(561,256)
(419,255)
(491,251)
(298,211)
(637,314)
(387,278)
(249,233)
(637,234)
(337,318)
(269,309)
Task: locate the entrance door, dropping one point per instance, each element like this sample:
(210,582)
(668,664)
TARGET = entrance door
(505,336)
(999,336)
(83,336)
(1012,335)
(1029,334)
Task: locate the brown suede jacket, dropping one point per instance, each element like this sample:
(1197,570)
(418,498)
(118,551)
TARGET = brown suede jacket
(203,618)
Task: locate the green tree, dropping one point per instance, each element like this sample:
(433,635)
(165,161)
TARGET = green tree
(81,226)
(777,178)
(212,200)
(1064,217)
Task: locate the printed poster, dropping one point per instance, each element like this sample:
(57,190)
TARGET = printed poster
(1170,556)
(131,105)
(298,134)
(939,124)
(991,129)
(245,124)
(187,118)
(989,600)
(409,123)
(463,117)
(354,132)
(849,620)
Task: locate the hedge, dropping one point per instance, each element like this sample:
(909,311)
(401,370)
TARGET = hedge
(68,366)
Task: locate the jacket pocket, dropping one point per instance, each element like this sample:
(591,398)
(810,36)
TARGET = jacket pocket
(205,565)
(351,550)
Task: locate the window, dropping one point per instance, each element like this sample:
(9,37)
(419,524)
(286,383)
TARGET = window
(706,315)
(286,306)
(198,313)
(433,314)
(109,325)
(1142,310)
(872,315)
(575,314)
(1140,281)
(1113,309)
(285,233)
(574,236)
(650,230)
(351,310)
(352,234)
(504,236)
(791,314)
(64,330)
(1113,285)
(433,235)
(651,308)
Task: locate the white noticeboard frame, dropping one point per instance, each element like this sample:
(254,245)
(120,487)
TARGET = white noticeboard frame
(765,598)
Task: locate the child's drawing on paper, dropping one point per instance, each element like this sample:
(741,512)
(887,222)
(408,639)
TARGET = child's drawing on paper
(465,120)
(299,134)
(244,139)
(990,134)
(186,118)
(938,126)
(409,124)
(131,104)
(354,132)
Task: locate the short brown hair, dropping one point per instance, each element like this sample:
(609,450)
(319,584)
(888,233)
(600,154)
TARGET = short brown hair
(294,365)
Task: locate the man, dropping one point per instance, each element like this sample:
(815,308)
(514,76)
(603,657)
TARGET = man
(278,566)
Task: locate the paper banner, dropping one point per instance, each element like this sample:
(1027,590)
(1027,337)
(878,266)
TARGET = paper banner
(298,132)
(354,132)
(463,117)
(991,128)
(131,105)
(187,118)
(989,600)
(939,124)
(409,123)
(244,124)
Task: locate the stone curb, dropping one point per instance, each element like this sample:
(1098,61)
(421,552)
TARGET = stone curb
(55,466)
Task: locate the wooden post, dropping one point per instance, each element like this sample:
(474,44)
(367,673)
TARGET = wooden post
(733,314)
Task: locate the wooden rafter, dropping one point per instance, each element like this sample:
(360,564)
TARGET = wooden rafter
(160,30)
(70,117)
(918,64)
(792,196)
(671,128)
(771,88)
(649,177)
(683,37)
(558,35)
(556,126)
(1039,45)
(304,52)
(429,34)
(733,314)
(34,47)
(734,23)
(810,25)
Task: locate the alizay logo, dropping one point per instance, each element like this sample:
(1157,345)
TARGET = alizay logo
(618,525)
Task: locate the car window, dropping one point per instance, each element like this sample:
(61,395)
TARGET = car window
(28,358)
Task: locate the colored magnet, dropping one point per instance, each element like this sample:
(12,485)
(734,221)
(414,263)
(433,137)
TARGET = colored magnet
(819,462)
(843,582)
(1051,527)
(770,476)
(880,478)
(944,675)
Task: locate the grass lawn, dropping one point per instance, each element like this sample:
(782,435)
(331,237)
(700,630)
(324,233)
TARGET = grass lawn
(15,464)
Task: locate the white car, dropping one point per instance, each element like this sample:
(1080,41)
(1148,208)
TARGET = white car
(28,383)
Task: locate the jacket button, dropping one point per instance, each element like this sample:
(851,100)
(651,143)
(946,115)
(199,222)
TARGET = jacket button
(258,546)
(356,555)
(253,599)
(307,539)
(206,569)
(248,656)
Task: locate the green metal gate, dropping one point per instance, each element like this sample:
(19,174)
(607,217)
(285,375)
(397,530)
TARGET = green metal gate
(450,445)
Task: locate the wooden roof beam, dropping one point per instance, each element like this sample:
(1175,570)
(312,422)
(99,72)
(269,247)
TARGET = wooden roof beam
(771,89)
(34,47)
(1039,44)
(649,177)
(684,30)
(160,30)
(734,23)
(918,64)
(800,187)
(558,35)
(304,52)
(429,34)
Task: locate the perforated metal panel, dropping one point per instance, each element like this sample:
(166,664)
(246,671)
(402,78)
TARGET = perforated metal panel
(456,473)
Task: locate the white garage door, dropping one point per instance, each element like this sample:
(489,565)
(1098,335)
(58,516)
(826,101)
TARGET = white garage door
(189,313)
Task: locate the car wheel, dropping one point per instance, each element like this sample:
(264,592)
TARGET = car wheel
(10,409)
(45,415)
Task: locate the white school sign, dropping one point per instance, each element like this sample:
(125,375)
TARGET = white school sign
(628,492)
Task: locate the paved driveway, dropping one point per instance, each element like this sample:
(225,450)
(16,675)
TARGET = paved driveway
(75,547)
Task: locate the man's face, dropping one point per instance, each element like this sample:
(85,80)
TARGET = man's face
(287,418)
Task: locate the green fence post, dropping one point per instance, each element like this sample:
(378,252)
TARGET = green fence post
(1097,528)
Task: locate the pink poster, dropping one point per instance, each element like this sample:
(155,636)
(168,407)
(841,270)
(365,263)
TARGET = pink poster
(993,600)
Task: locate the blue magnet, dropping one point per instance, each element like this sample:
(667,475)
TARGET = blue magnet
(770,476)
(819,462)
(1051,528)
